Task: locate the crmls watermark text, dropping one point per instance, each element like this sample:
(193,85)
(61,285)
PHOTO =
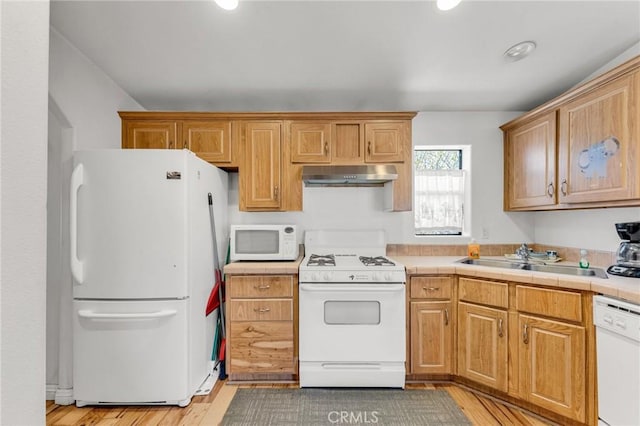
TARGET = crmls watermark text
(353,417)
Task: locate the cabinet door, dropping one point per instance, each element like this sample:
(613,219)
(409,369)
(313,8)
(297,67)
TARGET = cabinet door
(552,365)
(431,337)
(530,164)
(150,134)
(210,140)
(260,177)
(384,142)
(599,135)
(347,143)
(310,142)
(482,345)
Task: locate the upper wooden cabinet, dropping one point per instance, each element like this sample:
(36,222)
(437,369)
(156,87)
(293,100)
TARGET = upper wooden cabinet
(579,150)
(269,149)
(385,142)
(599,143)
(208,137)
(343,142)
(530,163)
(210,140)
(260,182)
(149,134)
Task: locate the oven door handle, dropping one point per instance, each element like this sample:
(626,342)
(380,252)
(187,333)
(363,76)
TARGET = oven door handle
(387,288)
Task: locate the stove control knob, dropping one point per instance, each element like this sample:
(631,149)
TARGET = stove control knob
(327,276)
(314,277)
(387,276)
(375,276)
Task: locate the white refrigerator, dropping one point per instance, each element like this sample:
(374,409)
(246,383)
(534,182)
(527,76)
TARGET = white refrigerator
(142,266)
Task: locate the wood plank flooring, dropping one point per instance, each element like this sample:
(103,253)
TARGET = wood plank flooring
(209,410)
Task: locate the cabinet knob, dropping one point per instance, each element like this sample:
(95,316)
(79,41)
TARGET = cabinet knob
(184,145)
(170,145)
(261,310)
(326,148)
(369,147)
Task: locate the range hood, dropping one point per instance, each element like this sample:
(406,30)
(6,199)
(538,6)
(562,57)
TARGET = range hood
(362,175)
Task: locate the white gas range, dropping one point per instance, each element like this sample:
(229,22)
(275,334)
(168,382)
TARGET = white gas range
(351,311)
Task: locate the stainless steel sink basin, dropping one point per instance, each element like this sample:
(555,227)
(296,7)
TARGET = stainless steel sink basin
(538,267)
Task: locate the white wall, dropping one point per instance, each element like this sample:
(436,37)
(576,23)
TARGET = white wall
(83,105)
(24,39)
(88,98)
(589,229)
(357,208)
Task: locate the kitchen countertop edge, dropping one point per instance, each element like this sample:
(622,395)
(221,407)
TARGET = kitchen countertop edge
(620,287)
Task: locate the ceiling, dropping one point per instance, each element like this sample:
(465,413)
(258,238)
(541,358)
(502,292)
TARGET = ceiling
(346,55)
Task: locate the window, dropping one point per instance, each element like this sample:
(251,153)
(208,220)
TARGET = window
(441,190)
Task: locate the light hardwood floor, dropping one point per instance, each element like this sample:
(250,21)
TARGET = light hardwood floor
(209,410)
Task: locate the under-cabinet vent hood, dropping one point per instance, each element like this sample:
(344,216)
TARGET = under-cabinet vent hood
(363,175)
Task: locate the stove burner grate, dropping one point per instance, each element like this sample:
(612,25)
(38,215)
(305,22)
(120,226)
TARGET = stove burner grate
(376,261)
(321,260)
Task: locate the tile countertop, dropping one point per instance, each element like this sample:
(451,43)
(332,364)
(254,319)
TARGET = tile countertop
(615,286)
(620,287)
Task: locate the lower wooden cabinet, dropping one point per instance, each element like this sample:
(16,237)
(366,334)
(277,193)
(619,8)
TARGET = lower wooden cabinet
(261,332)
(431,337)
(431,325)
(483,345)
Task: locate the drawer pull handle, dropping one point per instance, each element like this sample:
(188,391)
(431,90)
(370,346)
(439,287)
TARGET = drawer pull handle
(250,329)
(261,310)
(262,287)
(431,288)
(369,148)
(564,186)
(184,145)
(446,317)
(326,148)
(525,334)
(550,190)
(276,193)
(500,330)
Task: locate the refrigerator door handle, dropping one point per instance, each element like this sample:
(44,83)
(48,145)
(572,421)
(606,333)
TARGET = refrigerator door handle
(77,180)
(84,313)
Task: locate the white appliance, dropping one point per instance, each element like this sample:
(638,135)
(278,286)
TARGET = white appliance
(618,361)
(142,265)
(264,242)
(352,330)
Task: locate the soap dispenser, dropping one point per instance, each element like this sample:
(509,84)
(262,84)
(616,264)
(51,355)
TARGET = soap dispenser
(584,262)
(473,250)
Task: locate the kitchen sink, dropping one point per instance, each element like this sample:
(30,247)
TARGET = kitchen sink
(538,267)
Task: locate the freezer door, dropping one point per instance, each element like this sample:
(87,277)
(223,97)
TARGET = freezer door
(131,352)
(129,224)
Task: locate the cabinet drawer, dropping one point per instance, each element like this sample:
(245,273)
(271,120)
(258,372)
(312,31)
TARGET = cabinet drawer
(431,287)
(484,292)
(565,305)
(261,309)
(258,286)
(261,347)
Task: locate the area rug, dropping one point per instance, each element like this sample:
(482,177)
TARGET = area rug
(309,406)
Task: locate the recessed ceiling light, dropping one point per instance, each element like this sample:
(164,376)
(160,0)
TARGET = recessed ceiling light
(227,4)
(447,4)
(520,50)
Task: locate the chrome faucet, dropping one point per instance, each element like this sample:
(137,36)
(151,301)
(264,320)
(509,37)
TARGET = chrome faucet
(523,252)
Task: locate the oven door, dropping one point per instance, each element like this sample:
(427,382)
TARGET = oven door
(352,322)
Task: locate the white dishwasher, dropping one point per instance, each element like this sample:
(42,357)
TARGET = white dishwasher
(618,359)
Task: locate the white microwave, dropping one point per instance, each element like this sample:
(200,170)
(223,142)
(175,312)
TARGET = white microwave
(264,242)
